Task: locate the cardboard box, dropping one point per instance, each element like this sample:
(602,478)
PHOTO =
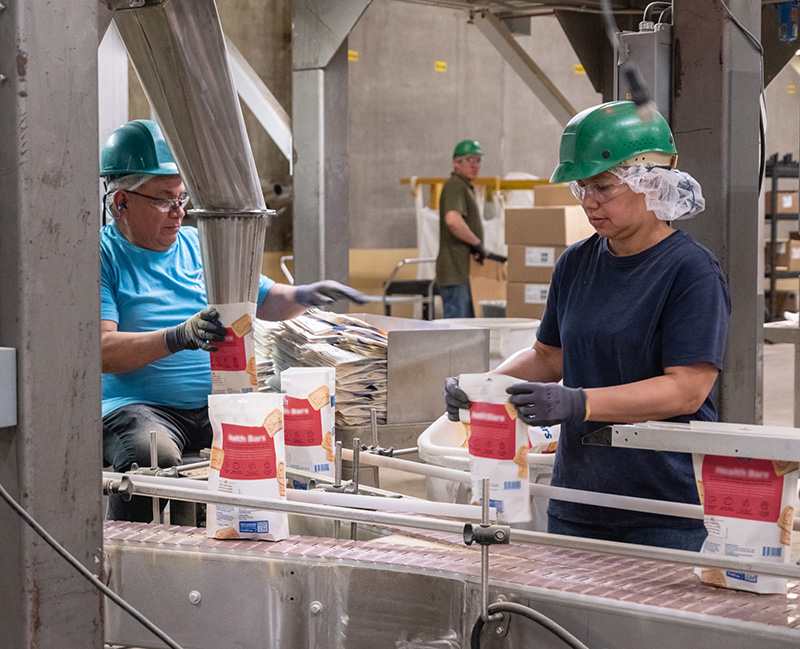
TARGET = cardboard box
(532,263)
(785,301)
(554,226)
(487,282)
(787,203)
(787,253)
(554,195)
(526,300)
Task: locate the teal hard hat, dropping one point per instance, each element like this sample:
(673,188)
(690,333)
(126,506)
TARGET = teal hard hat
(467,147)
(601,137)
(137,147)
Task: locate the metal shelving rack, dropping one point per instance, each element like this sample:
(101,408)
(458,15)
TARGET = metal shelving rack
(775,170)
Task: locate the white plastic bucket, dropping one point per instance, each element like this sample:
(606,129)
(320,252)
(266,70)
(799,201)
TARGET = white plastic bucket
(444,443)
(506,335)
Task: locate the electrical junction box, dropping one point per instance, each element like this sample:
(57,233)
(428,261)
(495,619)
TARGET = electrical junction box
(8,387)
(651,51)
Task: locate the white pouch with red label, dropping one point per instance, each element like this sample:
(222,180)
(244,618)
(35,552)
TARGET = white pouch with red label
(308,419)
(748,507)
(544,439)
(247,458)
(498,445)
(233,367)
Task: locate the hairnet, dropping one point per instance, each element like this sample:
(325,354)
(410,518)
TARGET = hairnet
(670,193)
(131,182)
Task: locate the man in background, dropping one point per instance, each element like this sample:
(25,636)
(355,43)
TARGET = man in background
(460,231)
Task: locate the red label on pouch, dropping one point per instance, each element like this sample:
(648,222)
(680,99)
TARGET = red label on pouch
(231,356)
(302,425)
(741,488)
(493,433)
(249,453)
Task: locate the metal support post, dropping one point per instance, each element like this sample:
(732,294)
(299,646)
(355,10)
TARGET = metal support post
(319,119)
(373,427)
(356,468)
(715,115)
(337,483)
(50,265)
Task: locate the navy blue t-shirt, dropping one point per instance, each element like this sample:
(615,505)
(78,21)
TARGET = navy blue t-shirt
(625,319)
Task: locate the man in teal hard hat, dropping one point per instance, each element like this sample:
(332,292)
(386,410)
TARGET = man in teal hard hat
(156,327)
(635,327)
(460,231)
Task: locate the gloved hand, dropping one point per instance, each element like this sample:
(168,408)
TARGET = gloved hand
(326,292)
(198,332)
(546,404)
(478,251)
(455,398)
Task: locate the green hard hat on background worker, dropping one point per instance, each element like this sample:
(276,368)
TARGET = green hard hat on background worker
(601,137)
(467,147)
(137,147)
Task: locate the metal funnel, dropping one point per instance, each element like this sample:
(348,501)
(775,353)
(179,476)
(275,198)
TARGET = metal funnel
(178,51)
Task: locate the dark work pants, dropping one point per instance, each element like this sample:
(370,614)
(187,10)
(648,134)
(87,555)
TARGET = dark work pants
(126,439)
(457,301)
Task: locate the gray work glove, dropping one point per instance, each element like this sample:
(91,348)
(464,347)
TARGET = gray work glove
(546,404)
(326,292)
(478,251)
(198,332)
(455,398)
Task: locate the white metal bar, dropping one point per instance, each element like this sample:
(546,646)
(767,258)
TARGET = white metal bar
(267,109)
(712,438)
(664,507)
(140,487)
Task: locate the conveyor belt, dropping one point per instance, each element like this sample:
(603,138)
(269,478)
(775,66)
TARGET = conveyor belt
(587,574)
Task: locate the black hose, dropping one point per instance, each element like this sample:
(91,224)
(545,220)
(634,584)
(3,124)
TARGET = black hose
(511,607)
(85,572)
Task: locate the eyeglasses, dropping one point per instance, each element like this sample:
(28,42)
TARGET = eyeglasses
(165,204)
(471,159)
(600,192)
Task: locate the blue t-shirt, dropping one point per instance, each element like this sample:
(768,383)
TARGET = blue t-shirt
(144,290)
(625,319)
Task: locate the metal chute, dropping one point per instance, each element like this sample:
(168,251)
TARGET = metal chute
(177,48)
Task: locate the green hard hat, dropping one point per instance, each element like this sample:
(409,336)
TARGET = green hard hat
(137,147)
(604,136)
(467,147)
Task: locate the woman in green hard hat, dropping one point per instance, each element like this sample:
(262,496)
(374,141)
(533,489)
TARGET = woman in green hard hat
(635,326)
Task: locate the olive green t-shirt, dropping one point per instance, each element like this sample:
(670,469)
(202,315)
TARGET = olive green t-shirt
(452,264)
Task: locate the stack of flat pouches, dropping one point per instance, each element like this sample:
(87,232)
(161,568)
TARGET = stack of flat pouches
(265,366)
(356,349)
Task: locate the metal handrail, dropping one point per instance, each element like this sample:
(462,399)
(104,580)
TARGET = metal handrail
(411,260)
(403,262)
(285,268)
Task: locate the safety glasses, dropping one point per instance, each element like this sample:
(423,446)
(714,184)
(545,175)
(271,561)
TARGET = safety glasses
(600,191)
(164,204)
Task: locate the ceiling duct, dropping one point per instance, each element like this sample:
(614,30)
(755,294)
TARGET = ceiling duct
(177,48)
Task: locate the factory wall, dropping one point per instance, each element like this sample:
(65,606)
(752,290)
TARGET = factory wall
(407,112)
(405,116)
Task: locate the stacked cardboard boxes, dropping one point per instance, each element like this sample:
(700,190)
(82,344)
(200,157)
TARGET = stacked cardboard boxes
(786,203)
(536,237)
(787,253)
